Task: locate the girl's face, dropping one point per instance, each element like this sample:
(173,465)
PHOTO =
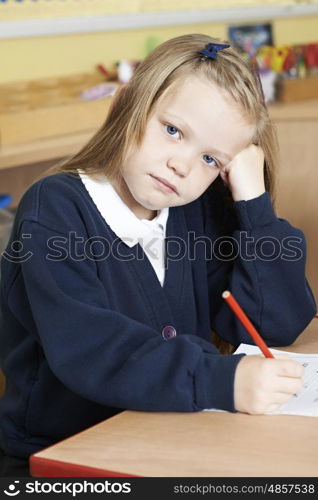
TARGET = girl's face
(193,131)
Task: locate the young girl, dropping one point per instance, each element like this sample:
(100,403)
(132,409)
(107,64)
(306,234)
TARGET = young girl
(112,280)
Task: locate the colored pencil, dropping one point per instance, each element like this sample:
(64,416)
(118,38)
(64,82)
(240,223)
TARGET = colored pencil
(240,314)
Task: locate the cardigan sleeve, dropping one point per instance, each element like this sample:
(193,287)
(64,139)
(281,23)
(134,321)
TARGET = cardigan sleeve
(108,357)
(263,264)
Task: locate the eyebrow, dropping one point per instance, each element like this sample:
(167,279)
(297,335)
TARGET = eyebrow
(187,127)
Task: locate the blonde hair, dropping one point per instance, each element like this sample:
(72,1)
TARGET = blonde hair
(132,105)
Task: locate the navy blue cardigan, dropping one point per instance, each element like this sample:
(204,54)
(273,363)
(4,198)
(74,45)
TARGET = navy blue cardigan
(82,314)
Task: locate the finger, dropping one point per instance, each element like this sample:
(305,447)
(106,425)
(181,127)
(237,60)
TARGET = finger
(275,406)
(289,368)
(279,400)
(282,356)
(224,177)
(282,398)
(289,385)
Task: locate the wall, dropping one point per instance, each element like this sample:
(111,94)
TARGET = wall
(40,57)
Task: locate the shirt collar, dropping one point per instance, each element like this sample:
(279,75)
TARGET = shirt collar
(124,223)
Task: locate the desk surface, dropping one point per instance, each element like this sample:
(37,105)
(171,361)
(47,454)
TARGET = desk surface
(204,444)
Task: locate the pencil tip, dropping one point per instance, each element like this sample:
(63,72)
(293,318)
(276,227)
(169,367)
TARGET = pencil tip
(226,294)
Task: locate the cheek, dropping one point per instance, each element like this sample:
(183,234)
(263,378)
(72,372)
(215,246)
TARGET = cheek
(200,181)
(133,166)
(208,176)
(147,155)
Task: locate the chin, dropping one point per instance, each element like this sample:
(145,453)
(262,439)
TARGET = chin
(150,206)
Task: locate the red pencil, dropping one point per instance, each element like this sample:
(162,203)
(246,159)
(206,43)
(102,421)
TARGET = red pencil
(238,311)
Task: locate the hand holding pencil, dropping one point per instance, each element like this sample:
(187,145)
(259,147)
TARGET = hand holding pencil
(262,384)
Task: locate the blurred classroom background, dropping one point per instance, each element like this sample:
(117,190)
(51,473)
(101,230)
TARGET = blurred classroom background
(61,60)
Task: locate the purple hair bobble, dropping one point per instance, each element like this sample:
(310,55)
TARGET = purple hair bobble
(211,50)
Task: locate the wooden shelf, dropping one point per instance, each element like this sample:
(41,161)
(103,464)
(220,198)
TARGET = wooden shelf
(65,144)
(299,110)
(43,150)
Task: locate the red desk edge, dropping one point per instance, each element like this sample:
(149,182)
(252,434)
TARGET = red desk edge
(46,467)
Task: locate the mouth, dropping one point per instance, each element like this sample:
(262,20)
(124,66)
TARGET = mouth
(164,185)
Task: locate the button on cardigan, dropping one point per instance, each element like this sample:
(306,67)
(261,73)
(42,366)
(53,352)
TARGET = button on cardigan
(82,313)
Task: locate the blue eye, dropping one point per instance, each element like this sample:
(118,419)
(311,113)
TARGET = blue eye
(209,160)
(172,130)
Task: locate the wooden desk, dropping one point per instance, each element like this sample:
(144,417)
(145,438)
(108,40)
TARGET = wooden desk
(205,444)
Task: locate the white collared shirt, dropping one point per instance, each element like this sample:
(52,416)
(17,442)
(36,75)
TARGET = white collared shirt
(150,234)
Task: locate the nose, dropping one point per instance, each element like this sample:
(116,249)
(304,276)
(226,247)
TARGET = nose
(181,166)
